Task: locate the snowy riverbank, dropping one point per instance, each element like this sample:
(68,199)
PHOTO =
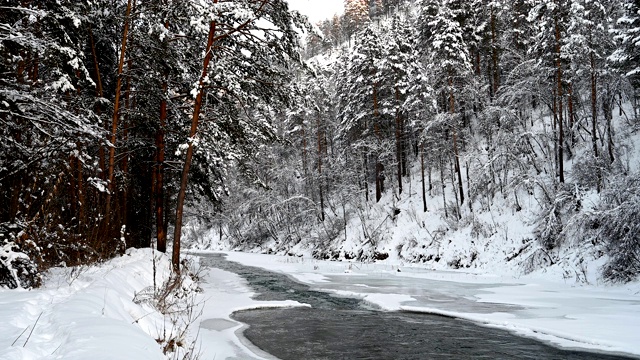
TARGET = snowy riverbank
(90,313)
(599,318)
(85,313)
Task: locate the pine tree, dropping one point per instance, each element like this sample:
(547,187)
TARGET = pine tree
(627,55)
(442,34)
(397,68)
(46,133)
(550,17)
(588,34)
(364,113)
(237,82)
(356,16)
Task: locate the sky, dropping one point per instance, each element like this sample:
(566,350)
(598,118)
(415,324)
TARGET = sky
(317,10)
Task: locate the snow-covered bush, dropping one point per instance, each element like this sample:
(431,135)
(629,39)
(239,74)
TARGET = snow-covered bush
(177,299)
(558,204)
(617,223)
(589,171)
(17,269)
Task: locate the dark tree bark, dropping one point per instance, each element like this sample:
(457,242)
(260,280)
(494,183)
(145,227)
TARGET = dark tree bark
(607,107)
(594,114)
(114,122)
(454,133)
(366,176)
(424,194)
(572,116)
(161,235)
(494,53)
(100,94)
(379,180)
(444,186)
(321,153)
(175,258)
(399,141)
(559,96)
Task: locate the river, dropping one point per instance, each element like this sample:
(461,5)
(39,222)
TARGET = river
(347,328)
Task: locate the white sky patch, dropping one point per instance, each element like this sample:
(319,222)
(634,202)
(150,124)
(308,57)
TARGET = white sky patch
(317,10)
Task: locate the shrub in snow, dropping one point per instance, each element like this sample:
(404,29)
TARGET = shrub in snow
(556,206)
(588,171)
(617,223)
(17,269)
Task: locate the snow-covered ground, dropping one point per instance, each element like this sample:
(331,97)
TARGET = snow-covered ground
(89,313)
(84,313)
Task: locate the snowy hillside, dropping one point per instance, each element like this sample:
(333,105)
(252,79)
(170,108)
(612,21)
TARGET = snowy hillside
(529,169)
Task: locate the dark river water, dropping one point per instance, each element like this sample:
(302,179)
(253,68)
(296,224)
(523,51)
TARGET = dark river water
(346,328)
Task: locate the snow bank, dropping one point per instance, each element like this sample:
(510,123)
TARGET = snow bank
(220,336)
(86,313)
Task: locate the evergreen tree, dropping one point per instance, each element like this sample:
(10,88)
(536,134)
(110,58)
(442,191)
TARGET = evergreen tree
(243,71)
(627,55)
(365,123)
(442,35)
(356,16)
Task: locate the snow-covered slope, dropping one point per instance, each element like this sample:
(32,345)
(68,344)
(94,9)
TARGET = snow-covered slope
(496,234)
(85,313)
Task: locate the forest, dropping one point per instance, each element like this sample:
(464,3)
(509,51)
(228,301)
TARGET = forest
(123,120)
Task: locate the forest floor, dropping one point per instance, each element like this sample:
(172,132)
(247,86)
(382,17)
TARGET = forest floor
(85,313)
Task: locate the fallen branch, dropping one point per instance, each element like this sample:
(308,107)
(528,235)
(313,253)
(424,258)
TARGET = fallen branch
(31,332)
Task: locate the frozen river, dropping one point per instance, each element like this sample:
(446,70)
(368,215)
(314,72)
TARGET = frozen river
(356,326)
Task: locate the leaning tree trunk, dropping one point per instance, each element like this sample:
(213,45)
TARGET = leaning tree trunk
(175,258)
(116,113)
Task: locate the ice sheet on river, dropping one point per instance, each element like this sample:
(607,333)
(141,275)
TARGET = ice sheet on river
(576,316)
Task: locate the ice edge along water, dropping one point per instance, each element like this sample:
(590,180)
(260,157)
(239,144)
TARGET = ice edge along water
(90,313)
(569,316)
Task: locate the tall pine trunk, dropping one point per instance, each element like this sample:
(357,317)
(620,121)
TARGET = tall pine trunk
(399,140)
(366,176)
(161,235)
(594,110)
(456,155)
(608,115)
(424,194)
(376,129)
(559,94)
(175,258)
(114,122)
(320,134)
(99,94)
(494,54)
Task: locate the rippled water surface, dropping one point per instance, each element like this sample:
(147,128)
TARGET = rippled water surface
(345,328)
